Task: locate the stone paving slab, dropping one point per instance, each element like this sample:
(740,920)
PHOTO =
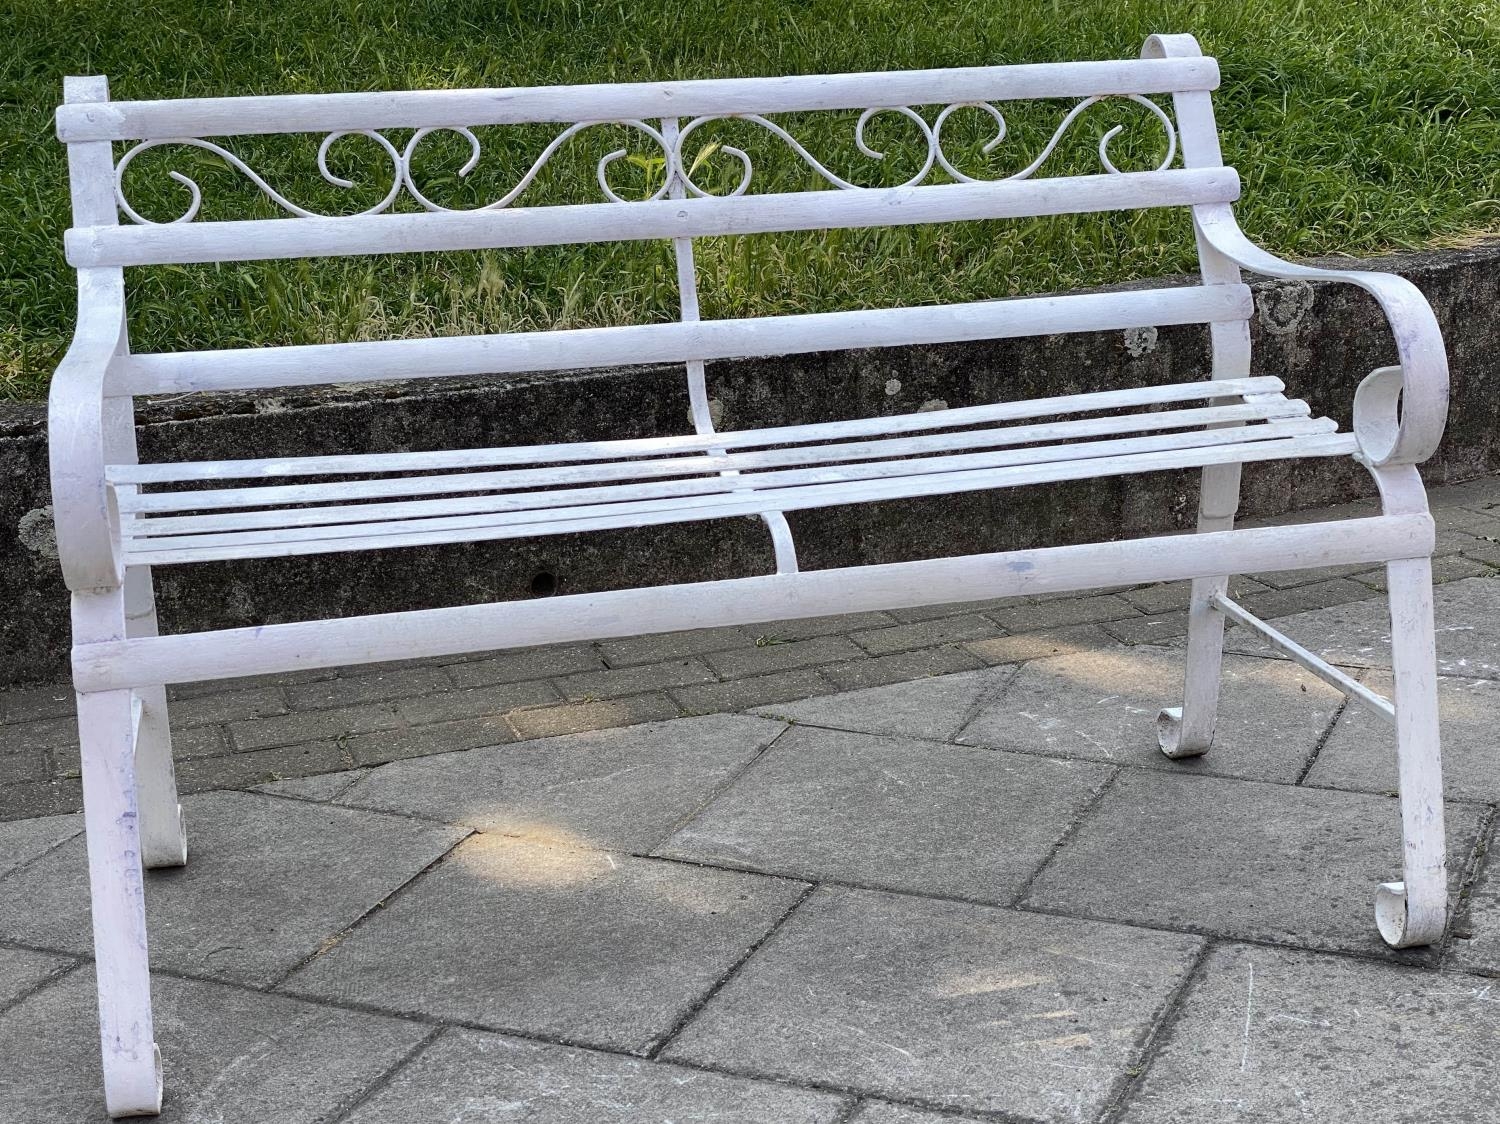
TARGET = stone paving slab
(244,770)
(228,706)
(943,1004)
(892,813)
(232,1056)
(578,945)
(29,704)
(307,726)
(572,718)
(22,969)
(1102,706)
(24,840)
(1239,858)
(1360,754)
(1022,646)
(1329,591)
(634,680)
(926,634)
(267,882)
(805,628)
(630,650)
(878,670)
(40,798)
(1057,613)
(742,694)
(1448,568)
(24,768)
(470,1077)
(1173,597)
(187,743)
(623,789)
(521,664)
(1359,634)
(1274,1034)
(761,659)
(934,708)
(378,686)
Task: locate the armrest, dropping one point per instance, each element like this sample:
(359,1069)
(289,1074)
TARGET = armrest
(83,505)
(1399,412)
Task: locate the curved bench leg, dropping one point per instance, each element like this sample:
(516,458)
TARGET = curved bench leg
(1188,730)
(163,834)
(1414,910)
(132,1065)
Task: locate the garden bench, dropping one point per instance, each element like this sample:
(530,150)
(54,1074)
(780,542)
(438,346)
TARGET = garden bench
(117,518)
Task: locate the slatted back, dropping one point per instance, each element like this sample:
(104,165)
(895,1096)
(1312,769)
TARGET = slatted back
(104,137)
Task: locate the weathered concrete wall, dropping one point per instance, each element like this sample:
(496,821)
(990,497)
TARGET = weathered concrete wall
(1320,339)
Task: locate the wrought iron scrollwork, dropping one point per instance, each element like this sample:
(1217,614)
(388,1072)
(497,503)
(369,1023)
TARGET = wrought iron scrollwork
(676,164)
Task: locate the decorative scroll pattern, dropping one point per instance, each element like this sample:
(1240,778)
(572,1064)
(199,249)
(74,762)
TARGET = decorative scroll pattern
(678,166)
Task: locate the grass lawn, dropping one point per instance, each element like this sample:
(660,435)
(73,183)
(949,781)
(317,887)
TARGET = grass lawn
(1358,127)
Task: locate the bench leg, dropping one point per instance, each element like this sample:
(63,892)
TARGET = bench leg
(1413,911)
(132,1065)
(163,834)
(1188,730)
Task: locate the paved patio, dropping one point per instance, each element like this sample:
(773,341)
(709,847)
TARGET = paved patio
(896,869)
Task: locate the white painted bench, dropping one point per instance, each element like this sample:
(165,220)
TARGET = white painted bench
(116,518)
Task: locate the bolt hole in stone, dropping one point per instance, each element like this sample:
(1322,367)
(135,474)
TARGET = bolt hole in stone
(544,584)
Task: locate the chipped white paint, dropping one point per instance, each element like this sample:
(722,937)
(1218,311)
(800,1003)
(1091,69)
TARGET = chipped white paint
(116,518)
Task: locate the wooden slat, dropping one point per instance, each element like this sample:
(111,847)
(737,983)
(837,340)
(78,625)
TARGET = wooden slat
(262,239)
(583,348)
(263,649)
(784,499)
(418,109)
(653,469)
(341,465)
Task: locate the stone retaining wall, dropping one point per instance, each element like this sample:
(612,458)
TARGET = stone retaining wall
(1321,339)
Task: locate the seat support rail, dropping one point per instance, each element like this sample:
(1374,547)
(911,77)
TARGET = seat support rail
(813,593)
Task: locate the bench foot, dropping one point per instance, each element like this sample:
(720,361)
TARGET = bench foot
(1169,734)
(1407,924)
(135,1089)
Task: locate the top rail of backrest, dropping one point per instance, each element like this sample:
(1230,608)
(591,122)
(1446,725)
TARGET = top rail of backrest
(385,228)
(288,113)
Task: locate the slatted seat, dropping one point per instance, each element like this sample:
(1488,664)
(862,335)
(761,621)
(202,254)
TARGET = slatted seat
(117,519)
(587,486)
